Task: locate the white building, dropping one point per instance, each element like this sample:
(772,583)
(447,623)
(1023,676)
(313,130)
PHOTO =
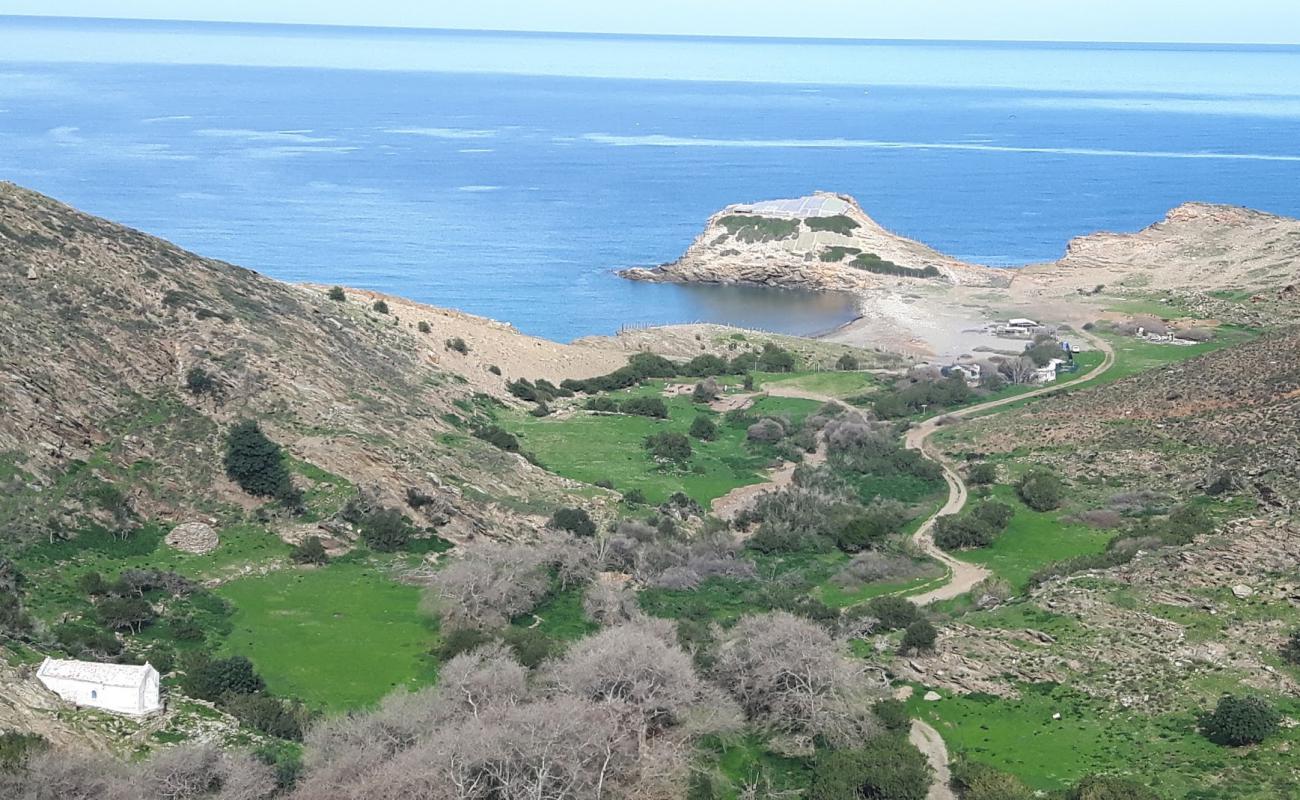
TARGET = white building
(120,688)
(1047,373)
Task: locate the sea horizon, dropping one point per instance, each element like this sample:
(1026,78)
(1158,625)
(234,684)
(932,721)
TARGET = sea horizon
(509,174)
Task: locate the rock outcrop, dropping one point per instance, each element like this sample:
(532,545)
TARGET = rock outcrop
(824,241)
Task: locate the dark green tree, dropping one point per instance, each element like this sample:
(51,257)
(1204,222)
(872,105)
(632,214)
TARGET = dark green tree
(887,767)
(309,551)
(380,306)
(847,362)
(893,612)
(1240,720)
(574,520)
(337,293)
(704,429)
(257,464)
(1041,490)
(669,446)
(385,530)
(919,637)
(983,473)
(210,679)
(1109,787)
(130,613)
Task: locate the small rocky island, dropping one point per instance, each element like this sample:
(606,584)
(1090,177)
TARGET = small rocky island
(824,241)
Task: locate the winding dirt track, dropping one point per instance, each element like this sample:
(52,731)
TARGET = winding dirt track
(962,575)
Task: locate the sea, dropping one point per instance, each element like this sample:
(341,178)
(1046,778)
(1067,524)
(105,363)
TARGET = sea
(510,174)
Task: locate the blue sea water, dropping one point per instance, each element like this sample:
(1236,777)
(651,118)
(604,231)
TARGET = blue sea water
(509,174)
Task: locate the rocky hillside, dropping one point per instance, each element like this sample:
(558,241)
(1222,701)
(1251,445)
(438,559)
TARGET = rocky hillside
(105,331)
(823,241)
(1196,245)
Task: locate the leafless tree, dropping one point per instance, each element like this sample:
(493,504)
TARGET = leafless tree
(483,678)
(203,771)
(608,603)
(490,583)
(65,775)
(1019,370)
(789,674)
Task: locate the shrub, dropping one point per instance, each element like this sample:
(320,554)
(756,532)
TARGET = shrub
(1240,720)
(1041,490)
(962,532)
(92,583)
(706,391)
(871,527)
(1291,649)
(385,530)
(574,520)
(634,497)
(15,747)
(337,293)
(835,224)
(767,431)
(982,474)
(669,446)
(976,781)
(995,514)
(885,768)
(422,326)
(1109,787)
(540,410)
(494,369)
(130,613)
(457,344)
(198,381)
(270,715)
(776,359)
(893,715)
(645,407)
(919,637)
(893,612)
(310,551)
(211,679)
(704,429)
(702,366)
(497,436)
(257,464)
(380,306)
(605,405)
(847,363)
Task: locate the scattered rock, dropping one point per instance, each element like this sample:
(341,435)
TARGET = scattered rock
(931,696)
(1242,591)
(193,537)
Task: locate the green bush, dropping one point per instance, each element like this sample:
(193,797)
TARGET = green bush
(704,366)
(1041,490)
(198,381)
(962,532)
(574,520)
(540,410)
(603,404)
(975,781)
(16,747)
(129,613)
(997,515)
(212,679)
(1240,720)
(669,446)
(874,263)
(982,474)
(269,715)
(922,396)
(1291,648)
(310,551)
(704,429)
(893,613)
(422,326)
(919,637)
(847,363)
(337,293)
(885,768)
(385,530)
(775,358)
(653,407)
(893,715)
(634,497)
(497,436)
(457,344)
(871,527)
(754,228)
(380,306)
(1109,787)
(257,464)
(836,224)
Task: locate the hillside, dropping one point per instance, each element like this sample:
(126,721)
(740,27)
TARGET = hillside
(103,325)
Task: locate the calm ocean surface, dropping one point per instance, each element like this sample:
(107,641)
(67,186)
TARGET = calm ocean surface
(507,175)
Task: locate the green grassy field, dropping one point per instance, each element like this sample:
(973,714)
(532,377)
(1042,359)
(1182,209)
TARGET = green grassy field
(1032,540)
(1165,751)
(831,384)
(1133,355)
(593,447)
(339,637)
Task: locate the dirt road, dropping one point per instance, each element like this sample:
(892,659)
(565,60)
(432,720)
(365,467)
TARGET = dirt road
(964,575)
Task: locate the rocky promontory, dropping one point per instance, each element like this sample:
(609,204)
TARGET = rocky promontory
(824,241)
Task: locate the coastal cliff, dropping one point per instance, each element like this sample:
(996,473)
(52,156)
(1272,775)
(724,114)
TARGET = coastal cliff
(824,241)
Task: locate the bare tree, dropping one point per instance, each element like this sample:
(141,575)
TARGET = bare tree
(1019,370)
(482,678)
(66,775)
(789,674)
(609,603)
(490,583)
(203,771)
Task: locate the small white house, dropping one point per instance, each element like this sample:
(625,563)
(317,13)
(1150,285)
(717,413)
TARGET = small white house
(1047,373)
(1022,323)
(120,688)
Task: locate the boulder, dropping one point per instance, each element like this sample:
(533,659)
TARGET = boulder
(193,537)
